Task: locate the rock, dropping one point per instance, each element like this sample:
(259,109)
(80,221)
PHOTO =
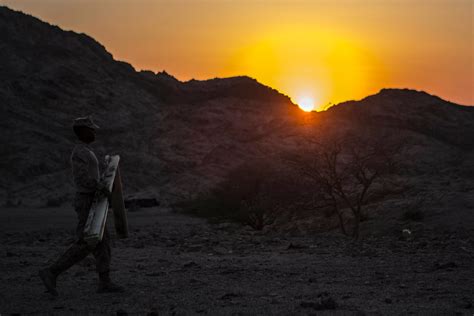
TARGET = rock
(296,246)
(121,312)
(194,248)
(220,250)
(422,244)
(170,243)
(407,234)
(442,266)
(308,304)
(139,245)
(229,296)
(154,274)
(465,303)
(323,302)
(224,226)
(196,281)
(190,265)
(153,312)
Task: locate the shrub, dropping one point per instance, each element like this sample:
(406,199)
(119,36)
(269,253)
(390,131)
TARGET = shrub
(254,194)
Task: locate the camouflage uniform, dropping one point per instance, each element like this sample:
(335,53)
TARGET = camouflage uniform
(85,169)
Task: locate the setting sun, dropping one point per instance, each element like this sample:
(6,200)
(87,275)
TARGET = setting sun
(305,103)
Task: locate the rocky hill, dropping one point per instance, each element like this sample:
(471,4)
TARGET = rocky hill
(416,111)
(168,132)
(177,138)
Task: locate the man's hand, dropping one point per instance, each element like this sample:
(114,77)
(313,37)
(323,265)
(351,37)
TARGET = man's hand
(103,190)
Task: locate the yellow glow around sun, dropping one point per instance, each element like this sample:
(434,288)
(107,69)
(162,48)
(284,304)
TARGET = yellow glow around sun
(306,103)
(302,62)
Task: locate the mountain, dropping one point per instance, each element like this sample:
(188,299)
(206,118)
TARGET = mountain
(413,110)
(164,129)
(176,138)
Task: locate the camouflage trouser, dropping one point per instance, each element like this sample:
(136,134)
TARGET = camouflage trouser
(79,249)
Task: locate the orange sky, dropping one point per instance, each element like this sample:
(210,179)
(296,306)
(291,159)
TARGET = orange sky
(328,51)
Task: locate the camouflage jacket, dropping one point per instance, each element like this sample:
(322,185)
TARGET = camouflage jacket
(85,169)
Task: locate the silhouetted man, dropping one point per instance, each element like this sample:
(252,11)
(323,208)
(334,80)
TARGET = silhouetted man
(85,171)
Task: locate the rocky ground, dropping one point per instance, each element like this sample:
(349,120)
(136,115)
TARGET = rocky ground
(174,264)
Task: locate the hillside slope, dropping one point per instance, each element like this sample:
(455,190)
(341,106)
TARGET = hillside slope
(50,76)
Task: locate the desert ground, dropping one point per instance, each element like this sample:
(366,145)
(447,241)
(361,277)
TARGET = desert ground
(175,264)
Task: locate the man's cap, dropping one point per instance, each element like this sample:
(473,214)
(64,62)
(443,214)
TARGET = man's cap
(85,121)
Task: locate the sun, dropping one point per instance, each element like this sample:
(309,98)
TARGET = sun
(306,103)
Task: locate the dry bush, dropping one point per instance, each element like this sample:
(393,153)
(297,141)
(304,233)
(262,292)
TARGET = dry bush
(344,169)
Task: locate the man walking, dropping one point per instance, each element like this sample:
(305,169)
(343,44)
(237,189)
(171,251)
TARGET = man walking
(85,171)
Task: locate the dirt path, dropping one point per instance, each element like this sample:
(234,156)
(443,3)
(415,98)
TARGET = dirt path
(176,264)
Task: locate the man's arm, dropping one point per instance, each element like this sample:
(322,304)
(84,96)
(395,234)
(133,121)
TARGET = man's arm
(82,177)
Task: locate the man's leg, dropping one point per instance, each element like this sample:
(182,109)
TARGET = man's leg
(76,252)
(102,254)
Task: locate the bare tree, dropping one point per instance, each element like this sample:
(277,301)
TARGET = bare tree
(344,170)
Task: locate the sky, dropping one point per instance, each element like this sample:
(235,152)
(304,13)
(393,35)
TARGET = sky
(317,52)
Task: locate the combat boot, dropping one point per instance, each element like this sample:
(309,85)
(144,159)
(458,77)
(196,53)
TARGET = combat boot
(49,281)
(107,286)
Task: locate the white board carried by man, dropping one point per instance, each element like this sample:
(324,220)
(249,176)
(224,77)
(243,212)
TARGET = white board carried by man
(95,225)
